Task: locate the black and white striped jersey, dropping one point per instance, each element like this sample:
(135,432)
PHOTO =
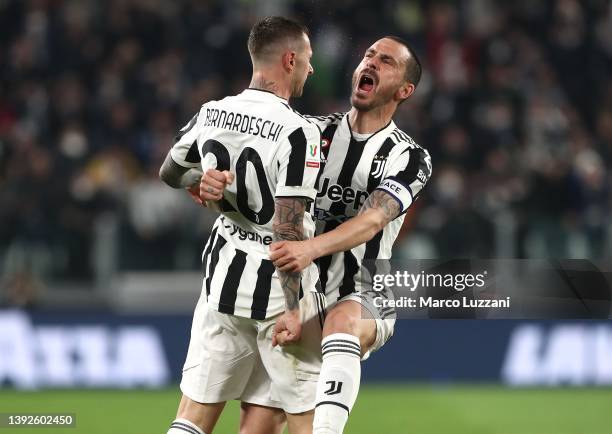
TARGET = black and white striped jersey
(351,169)
(273,152)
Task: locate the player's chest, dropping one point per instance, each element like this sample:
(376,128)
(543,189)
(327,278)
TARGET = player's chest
(350,171)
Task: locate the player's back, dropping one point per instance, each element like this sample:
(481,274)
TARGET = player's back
(244,134)
(273,153)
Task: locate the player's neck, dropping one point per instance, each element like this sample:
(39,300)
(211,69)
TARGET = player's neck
(267,81)
(371,121)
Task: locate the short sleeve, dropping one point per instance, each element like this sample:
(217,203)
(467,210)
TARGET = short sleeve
(407,175)
(298,163)
(185,150)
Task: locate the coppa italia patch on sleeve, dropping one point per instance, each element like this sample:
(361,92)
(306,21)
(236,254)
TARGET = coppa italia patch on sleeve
(313,158)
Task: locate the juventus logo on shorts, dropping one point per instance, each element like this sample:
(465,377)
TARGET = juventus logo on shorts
(379,166)
(335,387)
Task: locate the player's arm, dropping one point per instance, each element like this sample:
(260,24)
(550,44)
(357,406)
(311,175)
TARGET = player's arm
(378,210)
(288,226)
(297,160)
(177,176)
(407,176)
(182,166)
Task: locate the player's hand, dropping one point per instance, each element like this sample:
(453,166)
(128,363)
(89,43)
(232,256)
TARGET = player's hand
(288,328)
(213,184)
(194,194)
(291,256)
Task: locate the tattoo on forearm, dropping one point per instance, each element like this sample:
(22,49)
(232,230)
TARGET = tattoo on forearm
(288,219)
(288,225)
(383,201)
(290,282)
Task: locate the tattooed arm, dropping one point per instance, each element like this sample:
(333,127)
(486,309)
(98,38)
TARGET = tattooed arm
(377,211)
(288,226)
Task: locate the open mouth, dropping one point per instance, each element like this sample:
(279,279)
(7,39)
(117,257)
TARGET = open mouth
(366,82)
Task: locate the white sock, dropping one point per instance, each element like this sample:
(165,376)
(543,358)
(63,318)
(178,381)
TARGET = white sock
(338,383)
(184,426)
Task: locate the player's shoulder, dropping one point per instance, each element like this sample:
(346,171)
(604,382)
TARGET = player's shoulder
(327,120)
(402,142)
(201,114)
(294,120)
(226,102)
(402,139)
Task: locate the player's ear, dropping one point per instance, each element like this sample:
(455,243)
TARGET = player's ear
(405,91)
(289,60)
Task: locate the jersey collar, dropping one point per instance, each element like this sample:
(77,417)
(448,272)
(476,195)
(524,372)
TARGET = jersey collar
(383,132)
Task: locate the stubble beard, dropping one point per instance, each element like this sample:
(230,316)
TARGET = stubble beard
(297,89)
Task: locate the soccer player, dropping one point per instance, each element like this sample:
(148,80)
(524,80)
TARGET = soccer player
(371,173)
(273,152)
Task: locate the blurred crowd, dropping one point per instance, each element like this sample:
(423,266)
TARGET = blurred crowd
(515,107)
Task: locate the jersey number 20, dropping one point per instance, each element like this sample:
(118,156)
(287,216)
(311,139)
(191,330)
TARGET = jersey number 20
(248,155)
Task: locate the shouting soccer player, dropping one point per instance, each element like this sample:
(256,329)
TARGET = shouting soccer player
(274,154)
(371,173)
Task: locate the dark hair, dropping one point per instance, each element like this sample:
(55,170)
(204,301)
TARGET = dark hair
(413,66)
(271,30)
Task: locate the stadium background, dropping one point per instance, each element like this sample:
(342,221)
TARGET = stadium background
(99,260)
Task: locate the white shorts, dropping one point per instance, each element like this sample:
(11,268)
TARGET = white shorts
(231,357)
(385,320)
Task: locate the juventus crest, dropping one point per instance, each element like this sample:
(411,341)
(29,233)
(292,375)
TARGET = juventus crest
(378,166)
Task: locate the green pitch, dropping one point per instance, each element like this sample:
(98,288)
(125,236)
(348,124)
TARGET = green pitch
(379,410)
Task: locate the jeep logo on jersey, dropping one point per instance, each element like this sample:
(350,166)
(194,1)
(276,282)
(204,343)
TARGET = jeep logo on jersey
(379,166)
(346,195)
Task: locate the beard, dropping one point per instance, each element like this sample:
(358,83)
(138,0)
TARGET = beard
(380,98)
(297,91)
(297,88)
(363,106)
